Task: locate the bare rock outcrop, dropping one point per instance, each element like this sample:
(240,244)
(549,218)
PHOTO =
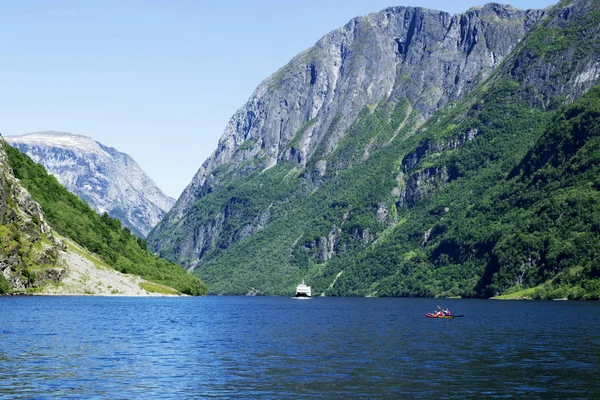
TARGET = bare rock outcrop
(29,253)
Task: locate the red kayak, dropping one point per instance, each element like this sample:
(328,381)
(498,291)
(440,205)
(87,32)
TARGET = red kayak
(436,315)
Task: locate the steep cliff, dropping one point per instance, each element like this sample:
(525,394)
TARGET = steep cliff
(107,179)
(415,58)
(29,254)
(413,190)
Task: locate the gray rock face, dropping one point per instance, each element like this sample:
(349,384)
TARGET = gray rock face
(300,113)
(418,184)
(107,179)
(26,240)
(563,65)
(429,57)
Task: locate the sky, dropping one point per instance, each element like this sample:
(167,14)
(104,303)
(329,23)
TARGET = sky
(158,80)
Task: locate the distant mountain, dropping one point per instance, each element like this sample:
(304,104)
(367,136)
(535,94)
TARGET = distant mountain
(107,179)
(410,153)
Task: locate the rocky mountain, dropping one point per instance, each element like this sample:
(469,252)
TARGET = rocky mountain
(27,246)
(299,114)
(357,165)
(52,242)
(107,179)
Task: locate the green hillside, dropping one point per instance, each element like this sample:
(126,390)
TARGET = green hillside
(504,219)
(100,234)
(509,221)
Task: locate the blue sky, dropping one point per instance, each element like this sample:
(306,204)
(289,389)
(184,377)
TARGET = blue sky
(157,79)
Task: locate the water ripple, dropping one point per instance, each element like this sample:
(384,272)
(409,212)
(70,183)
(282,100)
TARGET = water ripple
(239,347)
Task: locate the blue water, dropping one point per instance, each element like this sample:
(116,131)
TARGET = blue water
(257,347)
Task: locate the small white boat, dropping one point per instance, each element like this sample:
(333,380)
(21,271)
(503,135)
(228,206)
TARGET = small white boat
(302,290)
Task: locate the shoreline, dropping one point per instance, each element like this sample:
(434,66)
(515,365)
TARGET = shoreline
(149,294)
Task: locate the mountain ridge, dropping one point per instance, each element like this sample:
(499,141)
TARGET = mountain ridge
(403,46)
(107,179)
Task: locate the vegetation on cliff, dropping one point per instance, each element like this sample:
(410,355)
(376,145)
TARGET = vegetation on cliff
(29,253)
(517,207)
(4,285)
(100,234)
(508,221)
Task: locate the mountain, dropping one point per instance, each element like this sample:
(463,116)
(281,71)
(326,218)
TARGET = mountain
(389,160)
(412,59)
(52,241)
(107,179)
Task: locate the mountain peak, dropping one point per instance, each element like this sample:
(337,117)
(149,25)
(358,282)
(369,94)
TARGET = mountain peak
(56,139)
(54,133)
(104,177)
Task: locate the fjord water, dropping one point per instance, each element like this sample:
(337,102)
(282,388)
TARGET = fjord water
(269,347)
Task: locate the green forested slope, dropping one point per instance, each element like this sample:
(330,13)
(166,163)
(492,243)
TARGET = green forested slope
(285,250)
(100,234)
(504,219)
(374,253)
(502,229)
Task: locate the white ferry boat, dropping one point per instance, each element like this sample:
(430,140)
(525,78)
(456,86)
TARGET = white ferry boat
(302,290)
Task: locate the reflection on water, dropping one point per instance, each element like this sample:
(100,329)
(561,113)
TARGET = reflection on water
(281,348)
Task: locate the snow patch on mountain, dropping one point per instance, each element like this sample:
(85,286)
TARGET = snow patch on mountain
(107,179)
(63,140)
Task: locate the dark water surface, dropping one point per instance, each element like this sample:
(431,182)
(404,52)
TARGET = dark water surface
(256,347)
